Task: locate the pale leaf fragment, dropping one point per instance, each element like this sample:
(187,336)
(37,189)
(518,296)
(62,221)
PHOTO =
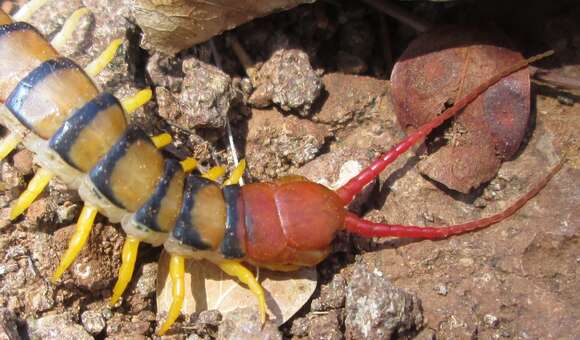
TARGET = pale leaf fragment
(207,287)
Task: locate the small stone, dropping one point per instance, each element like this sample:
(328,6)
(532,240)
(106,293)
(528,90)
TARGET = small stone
(491,320)
(42,299)
(147,280)
(325,326)
(300,327)
(332,295)
(244,323)
(375,309)
(210,317)
(287,80)
(56,327)
(67,212)
(441,289)
(23,162)
(93,322)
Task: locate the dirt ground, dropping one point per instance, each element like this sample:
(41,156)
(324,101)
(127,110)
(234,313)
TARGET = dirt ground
(319,105)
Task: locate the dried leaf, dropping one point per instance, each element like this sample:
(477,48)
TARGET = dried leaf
(173,25)
(442,66)
(207,287)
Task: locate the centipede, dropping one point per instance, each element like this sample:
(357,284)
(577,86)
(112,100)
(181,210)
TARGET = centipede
(82,136)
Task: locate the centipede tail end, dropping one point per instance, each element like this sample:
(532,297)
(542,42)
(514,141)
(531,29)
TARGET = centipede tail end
(362,227)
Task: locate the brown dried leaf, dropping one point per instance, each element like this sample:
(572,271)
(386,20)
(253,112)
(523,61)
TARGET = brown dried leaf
(444,65)
(207,287)
(173,25)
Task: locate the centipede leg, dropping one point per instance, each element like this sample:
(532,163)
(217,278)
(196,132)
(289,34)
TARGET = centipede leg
(188,164)
(34,188)
(26,11)
(8,144)
(162,140)
(67,30)
(77,241)
(177,275)
(234,268)
(214,173)
(237,173)
(136,101)
(99,64)
(130,251)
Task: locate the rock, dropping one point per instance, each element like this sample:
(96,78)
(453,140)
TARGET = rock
(122,328)
(245,324)
(332,295)
(326,326)
(93,322)
(290,142)
(287,80)
(376,309)
(8,327)
(147,279)
(205,97)
(57,327)
(42,298)
(23,162)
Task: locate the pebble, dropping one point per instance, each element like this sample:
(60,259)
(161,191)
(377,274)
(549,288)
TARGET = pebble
(375,309)
(93,322)
(56,327)
(244,323)
(146,283)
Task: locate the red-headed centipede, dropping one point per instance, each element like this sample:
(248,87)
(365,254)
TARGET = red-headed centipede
(82,136)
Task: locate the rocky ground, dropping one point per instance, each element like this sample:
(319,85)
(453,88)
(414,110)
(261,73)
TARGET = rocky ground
(317,104)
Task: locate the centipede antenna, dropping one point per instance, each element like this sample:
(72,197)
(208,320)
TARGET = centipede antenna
(177,275)
(129,256)
(236,269)
(348,191)
(214,173)
(77,241)
(8,144)
(70,25)
(162,140)
(131,104)
(237,173)
(26,11)
(188,164)
(359,226)
(34,188)
(96,66)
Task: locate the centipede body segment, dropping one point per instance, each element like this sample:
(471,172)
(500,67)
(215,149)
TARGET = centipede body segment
(83,137)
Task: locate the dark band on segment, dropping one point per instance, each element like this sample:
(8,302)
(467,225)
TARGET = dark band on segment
(231,246)
(16,27)
(148,213)
(18,96)
(67,135)
(185,230)
(100,175)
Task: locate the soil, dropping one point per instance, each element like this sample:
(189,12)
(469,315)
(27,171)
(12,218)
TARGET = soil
(319,106)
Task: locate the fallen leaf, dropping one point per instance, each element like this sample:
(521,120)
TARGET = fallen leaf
(442,66)
(207,287)
(170,26)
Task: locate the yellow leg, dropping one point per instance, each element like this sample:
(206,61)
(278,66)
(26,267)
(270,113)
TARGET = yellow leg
(35,187)
(162,140)
(234,268)
(139,99)
(99,64)
(214,173)
(237,173)
(8,144)
(26,11)
(130,250)
(177,274)
(188,164)
(77,241)
(69,28)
